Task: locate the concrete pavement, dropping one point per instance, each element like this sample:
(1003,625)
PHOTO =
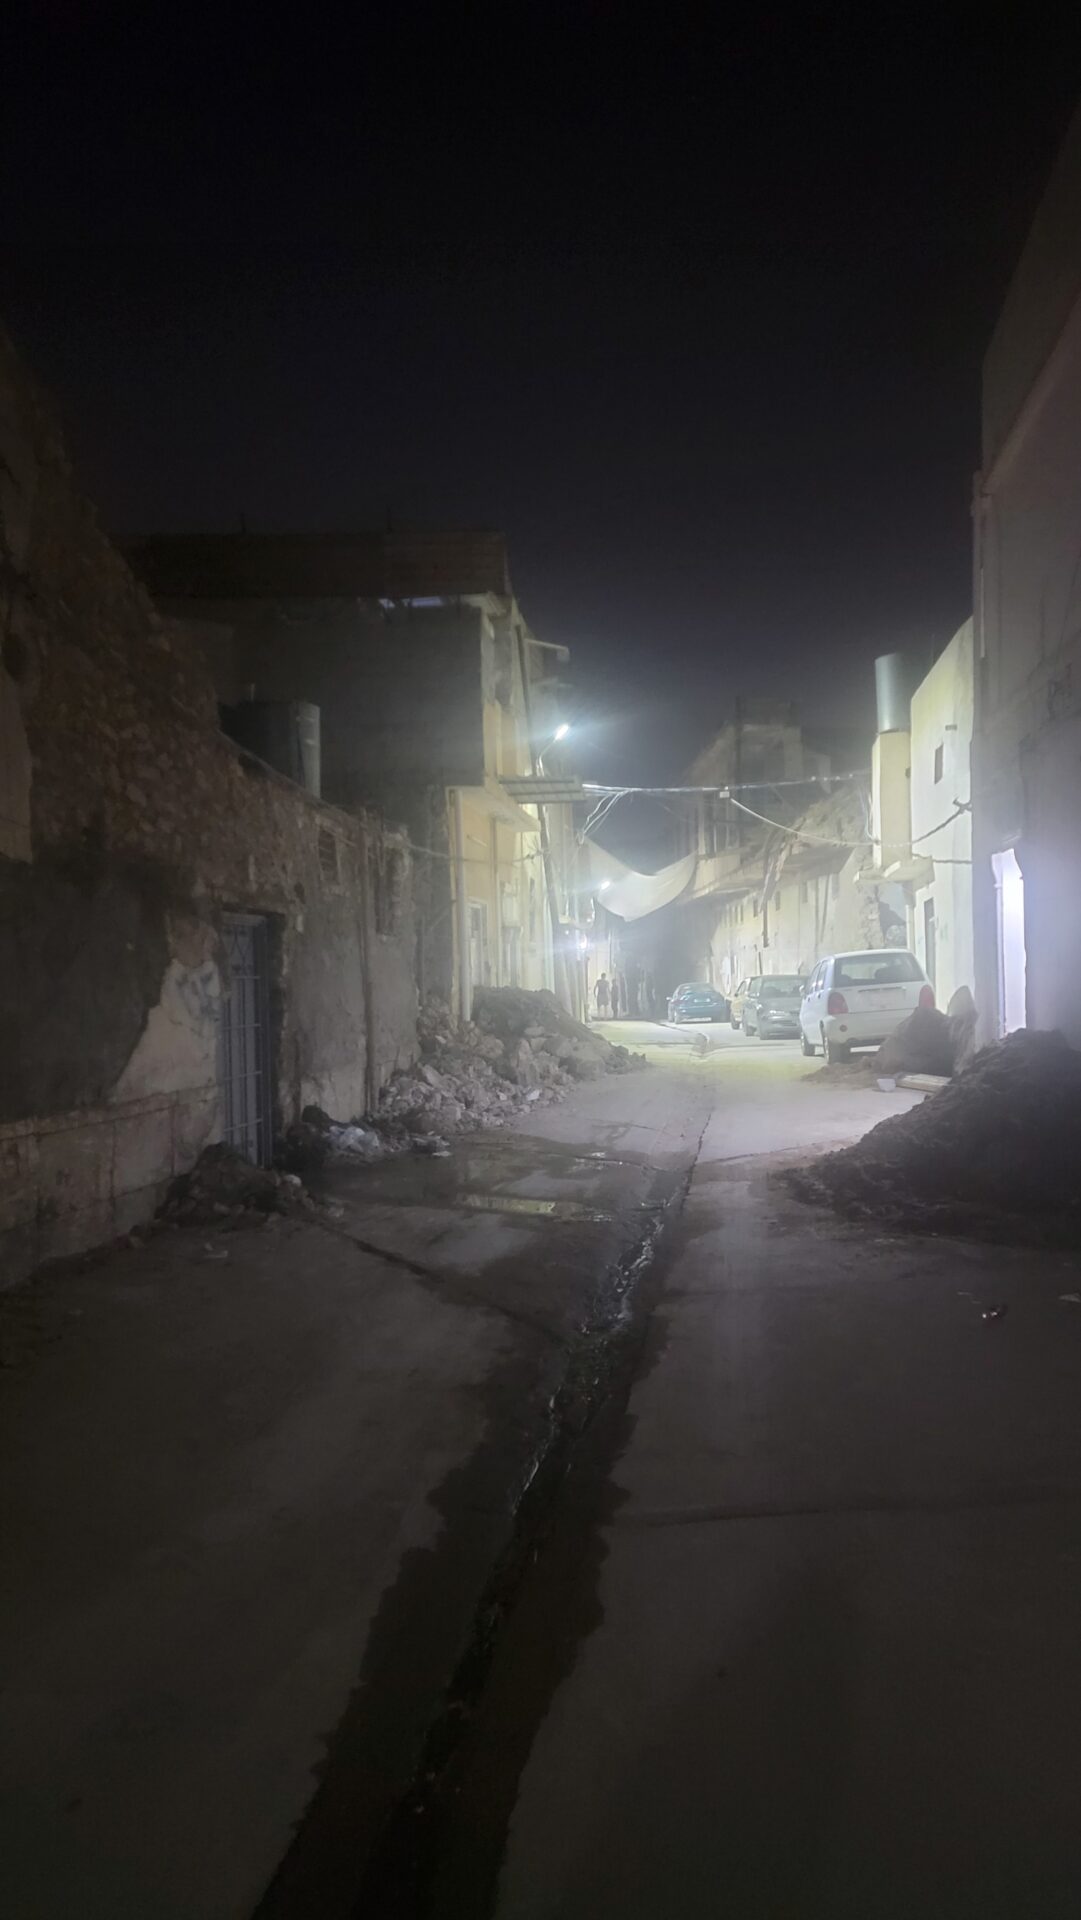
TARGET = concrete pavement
(803,1642)
(253,1484)
(341,1577)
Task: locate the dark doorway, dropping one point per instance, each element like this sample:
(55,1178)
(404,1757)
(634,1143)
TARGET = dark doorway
(245,1037)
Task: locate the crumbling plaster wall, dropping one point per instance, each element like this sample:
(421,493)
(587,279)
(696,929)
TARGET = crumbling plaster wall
(137,825)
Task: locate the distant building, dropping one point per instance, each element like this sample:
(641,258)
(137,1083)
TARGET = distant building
(437,704)
(1027,633)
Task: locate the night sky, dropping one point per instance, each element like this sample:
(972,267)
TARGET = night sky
(695,317)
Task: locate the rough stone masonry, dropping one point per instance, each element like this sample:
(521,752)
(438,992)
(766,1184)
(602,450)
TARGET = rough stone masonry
(129,828)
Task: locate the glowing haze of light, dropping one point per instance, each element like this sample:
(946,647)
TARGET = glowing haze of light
(561,731)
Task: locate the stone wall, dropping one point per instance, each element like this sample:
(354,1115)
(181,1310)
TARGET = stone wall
(130,826)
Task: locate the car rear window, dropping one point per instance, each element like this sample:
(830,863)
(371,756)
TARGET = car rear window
(875,969)
(783,986)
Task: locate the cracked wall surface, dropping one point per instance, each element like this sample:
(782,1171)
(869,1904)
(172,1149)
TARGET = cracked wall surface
(131,827)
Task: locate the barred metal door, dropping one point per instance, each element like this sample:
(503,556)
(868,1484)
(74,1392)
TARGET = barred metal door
(245,1037)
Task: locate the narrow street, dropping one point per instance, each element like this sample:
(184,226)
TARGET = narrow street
(803,1638)
(548,1536)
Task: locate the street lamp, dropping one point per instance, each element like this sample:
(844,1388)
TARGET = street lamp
(560,733)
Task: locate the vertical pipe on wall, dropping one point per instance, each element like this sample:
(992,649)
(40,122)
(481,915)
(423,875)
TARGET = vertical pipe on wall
(461,909)
(367,957)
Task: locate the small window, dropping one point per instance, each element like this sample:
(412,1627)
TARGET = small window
(328,856)
(938,763)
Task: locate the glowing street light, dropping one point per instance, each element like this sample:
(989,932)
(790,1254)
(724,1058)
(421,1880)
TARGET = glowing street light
(604,886)
(561,731)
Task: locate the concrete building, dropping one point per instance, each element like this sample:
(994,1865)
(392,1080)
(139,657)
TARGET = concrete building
(779,873)
(1027,741)
(437,704)
(921,822)
(192,945)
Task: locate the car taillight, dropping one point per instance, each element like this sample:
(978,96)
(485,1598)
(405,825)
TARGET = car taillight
(927,996)
(836,1003)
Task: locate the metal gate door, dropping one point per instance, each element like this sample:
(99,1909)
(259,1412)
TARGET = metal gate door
(245,1037)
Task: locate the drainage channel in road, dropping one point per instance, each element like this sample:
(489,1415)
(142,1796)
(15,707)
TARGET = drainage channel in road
(442,1849)
(560,1482)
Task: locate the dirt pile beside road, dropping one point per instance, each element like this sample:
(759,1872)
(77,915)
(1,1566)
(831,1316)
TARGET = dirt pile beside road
(996,1153)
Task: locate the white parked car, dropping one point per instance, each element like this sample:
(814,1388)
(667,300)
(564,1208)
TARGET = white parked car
(857,999)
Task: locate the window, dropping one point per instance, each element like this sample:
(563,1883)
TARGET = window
(875,969)
(938,762)
(328,855)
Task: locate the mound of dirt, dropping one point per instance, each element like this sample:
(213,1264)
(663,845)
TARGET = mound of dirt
(223,1183)
(995,1153)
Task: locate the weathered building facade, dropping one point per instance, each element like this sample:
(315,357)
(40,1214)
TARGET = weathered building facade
(1027,610)
(921,820)
(436,704)
(191,945)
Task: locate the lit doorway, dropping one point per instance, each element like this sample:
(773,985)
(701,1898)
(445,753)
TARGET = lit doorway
(1010,920)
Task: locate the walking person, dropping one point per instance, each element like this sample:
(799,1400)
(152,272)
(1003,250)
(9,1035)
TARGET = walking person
(600,995)
(615,996)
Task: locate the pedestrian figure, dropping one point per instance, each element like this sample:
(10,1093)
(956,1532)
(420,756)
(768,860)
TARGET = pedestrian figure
(600,995)
(649,991)
(615,996)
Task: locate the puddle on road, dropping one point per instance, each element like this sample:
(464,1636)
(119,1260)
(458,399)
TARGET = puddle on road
(539,1209)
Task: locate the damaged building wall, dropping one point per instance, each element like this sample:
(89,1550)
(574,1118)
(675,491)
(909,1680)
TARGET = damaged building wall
(428,700)
(136,831)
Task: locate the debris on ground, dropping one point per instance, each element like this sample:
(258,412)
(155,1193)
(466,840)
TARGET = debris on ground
(859,1070)
(926,1042)
(921,1044)
(996,1153)
(223,1186)
(520,1050)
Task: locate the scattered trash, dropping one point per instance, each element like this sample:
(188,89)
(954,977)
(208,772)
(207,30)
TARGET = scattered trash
(994,1313)
(886,1084)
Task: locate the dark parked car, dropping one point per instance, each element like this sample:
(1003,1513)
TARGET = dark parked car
(697,1001)
(772,1009)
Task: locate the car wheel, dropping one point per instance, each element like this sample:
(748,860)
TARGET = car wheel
(837,1053)
(760,1033)
(807,1047)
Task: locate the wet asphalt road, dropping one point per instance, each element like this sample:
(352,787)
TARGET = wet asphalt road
(801,1639)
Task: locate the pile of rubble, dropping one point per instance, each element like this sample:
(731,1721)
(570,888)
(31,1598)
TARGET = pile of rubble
(222,1184)
(997,1152)
(519,1050)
